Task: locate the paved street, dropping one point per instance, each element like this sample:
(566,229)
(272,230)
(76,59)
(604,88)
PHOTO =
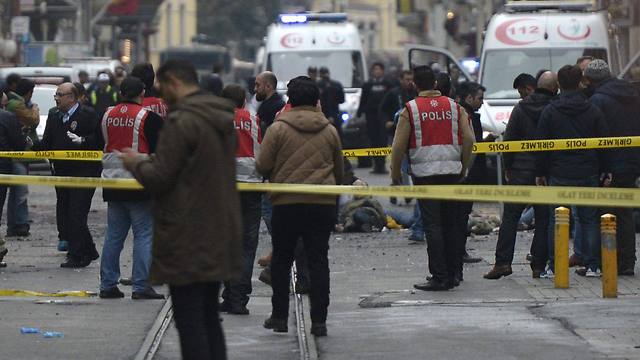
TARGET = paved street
(374,314)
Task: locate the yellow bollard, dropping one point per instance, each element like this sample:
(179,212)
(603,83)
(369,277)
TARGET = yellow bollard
(561,249)
(609,256)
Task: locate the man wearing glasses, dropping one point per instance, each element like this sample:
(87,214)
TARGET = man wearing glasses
(72,126)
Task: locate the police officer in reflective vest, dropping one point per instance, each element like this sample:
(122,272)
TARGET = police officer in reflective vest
(127,125)
(435,132)
(236,292)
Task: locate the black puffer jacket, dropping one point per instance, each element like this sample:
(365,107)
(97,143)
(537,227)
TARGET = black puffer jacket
(522,126)
(11,138)
(619,102)
(571,116)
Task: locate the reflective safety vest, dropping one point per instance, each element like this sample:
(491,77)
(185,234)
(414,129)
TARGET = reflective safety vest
(249,138)
(157,105)
(435,143)
(122,127)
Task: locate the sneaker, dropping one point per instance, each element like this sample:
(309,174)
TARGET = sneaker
(277,325)
(319,329)
(582,271)
(591,273)
(548,274)
(113,293)
(147,294)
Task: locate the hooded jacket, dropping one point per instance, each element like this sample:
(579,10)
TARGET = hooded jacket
(522,125)
(620,103)
(571,116)
(197,224)
(301,147)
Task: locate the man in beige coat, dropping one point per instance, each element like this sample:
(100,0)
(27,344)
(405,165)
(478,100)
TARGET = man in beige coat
(301,147)
(197,240)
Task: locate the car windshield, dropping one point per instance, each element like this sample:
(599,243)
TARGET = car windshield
(502,66)
(344,66)
(43,96)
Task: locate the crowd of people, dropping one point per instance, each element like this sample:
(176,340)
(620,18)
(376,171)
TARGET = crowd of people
(181,141)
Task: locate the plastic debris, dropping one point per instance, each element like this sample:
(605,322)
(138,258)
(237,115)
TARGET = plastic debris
(29,330)
(52,334)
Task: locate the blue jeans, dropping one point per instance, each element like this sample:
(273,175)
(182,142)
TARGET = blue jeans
(17,207)
(588,222)
(267,210)
(122,215)
(417,229)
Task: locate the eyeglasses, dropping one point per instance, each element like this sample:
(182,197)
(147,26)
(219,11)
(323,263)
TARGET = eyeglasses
(59,95)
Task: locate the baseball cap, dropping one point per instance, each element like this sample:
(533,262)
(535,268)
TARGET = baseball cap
(103,77)
(131,87)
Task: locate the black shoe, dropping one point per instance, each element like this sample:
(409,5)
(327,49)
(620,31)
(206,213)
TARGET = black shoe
(74,263)
(301,288)
(147,294)
(113,293)
(126,281)
(277,325)
(393,200)
(238,310)
(3,253)
(434,285)
(319,329)
(224,306)
(467,259)
(3,264)
(407,200)
(265,276)
(627,271)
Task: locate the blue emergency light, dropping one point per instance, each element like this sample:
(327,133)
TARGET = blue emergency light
(312,17)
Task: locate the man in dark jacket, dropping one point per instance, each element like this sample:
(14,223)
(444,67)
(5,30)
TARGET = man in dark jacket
(72,126)
(197,235)
(126,125)
(373,92)
(331,96)
(11,139)
(619,102)
(570,116)
(271,102)
(520,170)
(471,97)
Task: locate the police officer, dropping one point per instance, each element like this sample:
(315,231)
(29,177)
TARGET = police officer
(151,100)
(236,292)
(436,133)
(72,126)
(127,125)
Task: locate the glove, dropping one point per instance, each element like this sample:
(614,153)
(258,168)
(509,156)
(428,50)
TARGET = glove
(75,138)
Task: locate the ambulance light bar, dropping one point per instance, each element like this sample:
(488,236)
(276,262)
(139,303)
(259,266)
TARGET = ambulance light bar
(309,17)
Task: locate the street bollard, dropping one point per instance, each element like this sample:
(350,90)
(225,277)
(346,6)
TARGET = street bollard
(609,256)
(561,248)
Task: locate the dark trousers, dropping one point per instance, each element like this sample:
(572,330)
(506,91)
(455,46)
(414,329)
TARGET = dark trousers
(195,312)
(377,138)
(625,235)
(313,224)
(441,220)
(509,227)
(4,169)
(72,210)
(237,291)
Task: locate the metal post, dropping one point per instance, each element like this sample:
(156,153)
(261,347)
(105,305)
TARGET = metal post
(561,241)
(609,256)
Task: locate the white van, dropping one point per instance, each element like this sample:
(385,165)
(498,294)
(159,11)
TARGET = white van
(299,41)
(534,35)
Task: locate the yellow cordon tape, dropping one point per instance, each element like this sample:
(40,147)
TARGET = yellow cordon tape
(603,197)
(80,155)
(478,148)
(28,293)
(525,146)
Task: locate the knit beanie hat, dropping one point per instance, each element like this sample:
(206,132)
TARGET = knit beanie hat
(597,70)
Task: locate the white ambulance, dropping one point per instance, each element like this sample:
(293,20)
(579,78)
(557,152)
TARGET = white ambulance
(534,35)
(298,41)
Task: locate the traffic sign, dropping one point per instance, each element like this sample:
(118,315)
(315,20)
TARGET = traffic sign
(19,25)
